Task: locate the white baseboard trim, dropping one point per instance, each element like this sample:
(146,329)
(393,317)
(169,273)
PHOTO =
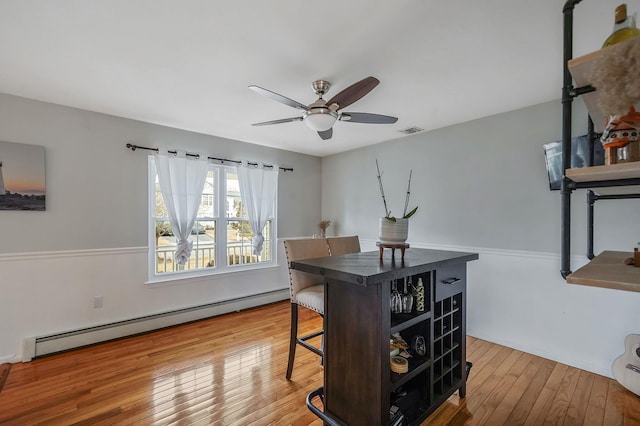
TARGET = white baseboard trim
(45,345)
(550,355)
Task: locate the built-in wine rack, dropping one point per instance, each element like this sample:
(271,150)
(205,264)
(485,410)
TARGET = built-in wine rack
(433,377)
(448,365)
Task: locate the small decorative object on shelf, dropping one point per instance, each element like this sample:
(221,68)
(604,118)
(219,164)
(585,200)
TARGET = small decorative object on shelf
(636,256)
(624,27)
(420,296)
(621,138)
(399,365)
(418,346)
(323,227)
(397,341)
(393,351)
(407,298)
(395,416)
(396,298)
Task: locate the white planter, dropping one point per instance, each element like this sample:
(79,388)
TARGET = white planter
(393,232)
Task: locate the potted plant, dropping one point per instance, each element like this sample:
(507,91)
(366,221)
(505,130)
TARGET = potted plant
(393,229)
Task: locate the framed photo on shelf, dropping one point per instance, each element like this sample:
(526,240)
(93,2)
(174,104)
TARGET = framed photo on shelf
(579,158)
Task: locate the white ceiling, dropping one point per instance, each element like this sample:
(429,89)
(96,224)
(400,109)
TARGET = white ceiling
(187,63)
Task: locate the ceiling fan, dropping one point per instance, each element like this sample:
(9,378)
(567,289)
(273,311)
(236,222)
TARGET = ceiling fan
(321,115)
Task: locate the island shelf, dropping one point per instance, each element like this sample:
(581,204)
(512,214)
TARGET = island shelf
(359,386)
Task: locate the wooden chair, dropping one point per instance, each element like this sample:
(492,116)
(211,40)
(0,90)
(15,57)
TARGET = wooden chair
(343,245)
(306,290)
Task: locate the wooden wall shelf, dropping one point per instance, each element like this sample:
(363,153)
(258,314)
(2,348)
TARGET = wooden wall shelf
(607,270)
(610,172)
(613,172)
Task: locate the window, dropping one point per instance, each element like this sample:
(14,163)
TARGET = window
(221,235)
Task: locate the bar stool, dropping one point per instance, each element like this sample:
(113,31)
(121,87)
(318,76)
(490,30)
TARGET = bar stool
(343,245)
(306,290)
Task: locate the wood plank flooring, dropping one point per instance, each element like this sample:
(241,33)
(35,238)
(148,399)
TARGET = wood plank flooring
(229,370)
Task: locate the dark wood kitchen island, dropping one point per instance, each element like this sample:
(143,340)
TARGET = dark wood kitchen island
(359,386)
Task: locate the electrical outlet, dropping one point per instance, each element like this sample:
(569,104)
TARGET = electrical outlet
(97,301)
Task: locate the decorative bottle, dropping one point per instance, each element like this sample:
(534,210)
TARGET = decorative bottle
(420,296)
(624,27)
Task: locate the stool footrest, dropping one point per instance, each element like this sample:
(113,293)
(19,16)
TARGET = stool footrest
(327,418)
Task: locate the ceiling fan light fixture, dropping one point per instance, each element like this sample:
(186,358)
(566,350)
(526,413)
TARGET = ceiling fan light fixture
(320,119)
(321,115)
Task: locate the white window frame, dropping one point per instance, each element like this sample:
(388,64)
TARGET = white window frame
(221,219)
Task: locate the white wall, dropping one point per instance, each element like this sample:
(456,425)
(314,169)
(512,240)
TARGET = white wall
(92,239)
(482,186)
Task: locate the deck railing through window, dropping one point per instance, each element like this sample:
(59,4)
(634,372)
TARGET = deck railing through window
(239,253)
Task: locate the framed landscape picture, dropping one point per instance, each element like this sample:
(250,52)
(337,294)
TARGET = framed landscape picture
(22,177)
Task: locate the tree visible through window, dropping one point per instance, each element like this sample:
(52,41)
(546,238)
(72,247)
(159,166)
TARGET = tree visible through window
(221,235)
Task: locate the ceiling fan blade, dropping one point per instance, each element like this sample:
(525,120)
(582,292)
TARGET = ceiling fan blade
(325,135)
(282,120)
(354,92)
(364,117)
(277,97)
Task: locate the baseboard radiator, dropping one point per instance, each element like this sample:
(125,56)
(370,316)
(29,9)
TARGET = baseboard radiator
(45,345)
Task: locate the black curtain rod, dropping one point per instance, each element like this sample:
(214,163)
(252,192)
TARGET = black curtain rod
(133,147)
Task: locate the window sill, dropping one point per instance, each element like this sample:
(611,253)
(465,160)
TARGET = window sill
(179,278)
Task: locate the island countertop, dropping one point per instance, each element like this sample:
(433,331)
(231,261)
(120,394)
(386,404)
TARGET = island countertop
(366,268)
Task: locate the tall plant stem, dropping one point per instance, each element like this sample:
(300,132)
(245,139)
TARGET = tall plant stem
(406,201)
(384,200)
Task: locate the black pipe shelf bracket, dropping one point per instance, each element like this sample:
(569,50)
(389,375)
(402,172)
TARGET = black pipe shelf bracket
(567,99)
(605,184)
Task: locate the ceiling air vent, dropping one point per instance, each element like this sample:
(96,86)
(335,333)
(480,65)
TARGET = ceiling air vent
(411,130)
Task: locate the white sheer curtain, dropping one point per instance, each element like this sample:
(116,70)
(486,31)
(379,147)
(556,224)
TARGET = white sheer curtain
(181,182)
(258,188)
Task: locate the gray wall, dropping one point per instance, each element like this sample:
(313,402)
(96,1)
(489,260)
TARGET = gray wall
(97,189)
(482,186)
(482,183)
(92,239)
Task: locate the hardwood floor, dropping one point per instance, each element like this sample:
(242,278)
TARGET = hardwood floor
(229,370)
